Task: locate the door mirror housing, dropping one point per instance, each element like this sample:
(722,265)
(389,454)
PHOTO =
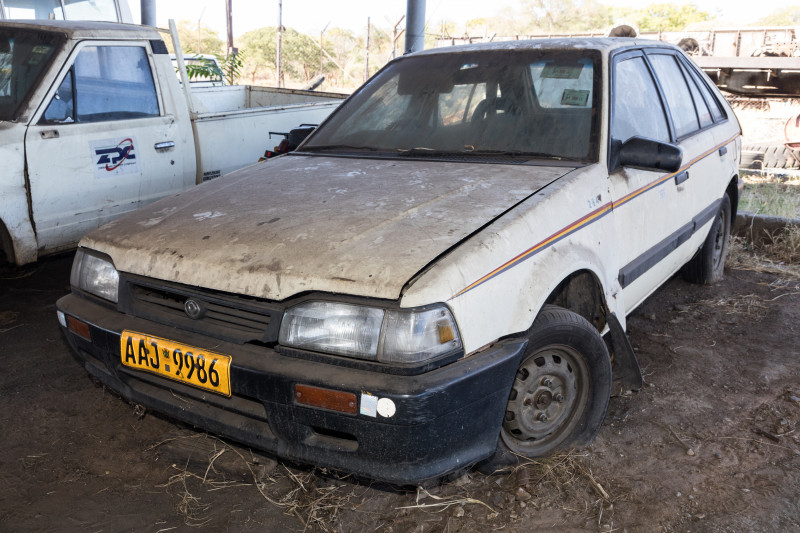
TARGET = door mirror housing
(649,154)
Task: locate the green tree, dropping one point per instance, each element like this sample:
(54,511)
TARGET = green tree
(300,54)
(198,40)
(563,16)
(667,17)
(787,16)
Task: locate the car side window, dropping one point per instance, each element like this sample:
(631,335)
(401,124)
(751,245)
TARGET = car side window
(105,83)
(713,102)
(703,113)
(637,109)
(679,98)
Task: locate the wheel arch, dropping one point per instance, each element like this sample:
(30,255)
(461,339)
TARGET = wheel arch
(582,293)
(6,244)
(733,194)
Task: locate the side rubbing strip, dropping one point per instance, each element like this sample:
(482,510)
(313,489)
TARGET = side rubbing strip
(636,268)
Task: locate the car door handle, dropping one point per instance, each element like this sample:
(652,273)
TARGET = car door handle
(680,178)
(165,145)
(723,151)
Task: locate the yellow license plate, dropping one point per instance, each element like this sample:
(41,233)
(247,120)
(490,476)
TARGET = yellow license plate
(193,366)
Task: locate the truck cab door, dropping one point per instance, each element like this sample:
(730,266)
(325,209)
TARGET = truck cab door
(101,145)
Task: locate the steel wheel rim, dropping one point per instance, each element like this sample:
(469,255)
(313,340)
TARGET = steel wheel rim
(548,399)
(719,241)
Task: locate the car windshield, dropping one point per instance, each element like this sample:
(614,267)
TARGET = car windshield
(499,103)
(24,57)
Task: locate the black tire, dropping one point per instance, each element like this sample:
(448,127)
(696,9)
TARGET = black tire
(560,394)
(708,264)
(775,155)
(752,159)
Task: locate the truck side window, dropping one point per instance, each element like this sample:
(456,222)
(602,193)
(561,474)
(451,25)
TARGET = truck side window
(113,83)
(637,109)
(61,109)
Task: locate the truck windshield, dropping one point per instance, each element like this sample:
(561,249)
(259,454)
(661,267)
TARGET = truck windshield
(519,104)
(24,57)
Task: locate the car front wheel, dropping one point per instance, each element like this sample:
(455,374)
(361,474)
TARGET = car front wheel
(561,390)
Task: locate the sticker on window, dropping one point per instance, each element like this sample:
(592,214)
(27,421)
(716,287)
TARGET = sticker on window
(574,97)
(37,54)
(562,72)
(114,157)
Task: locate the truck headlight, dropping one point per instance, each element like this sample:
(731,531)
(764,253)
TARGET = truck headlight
(389,336)
(95,273)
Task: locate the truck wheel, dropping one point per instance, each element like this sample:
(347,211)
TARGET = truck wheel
(560,393)
(708,265)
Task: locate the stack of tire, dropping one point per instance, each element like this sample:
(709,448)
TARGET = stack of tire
(768,156)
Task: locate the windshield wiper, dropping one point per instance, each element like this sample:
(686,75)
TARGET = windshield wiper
(432,152)
(333,147)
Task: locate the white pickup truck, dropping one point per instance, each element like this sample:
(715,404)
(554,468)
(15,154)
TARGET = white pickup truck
(94,124)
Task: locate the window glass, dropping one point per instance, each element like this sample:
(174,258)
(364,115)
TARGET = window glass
(711,98)
(102,10)
(458,106)
(677,94)
(637,108)
(563,86)
(62,108)
(24,58)
(703,113)
(534,104)
(113,82)
(33,9)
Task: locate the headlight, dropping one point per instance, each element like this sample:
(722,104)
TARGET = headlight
(95,273)
(389,336)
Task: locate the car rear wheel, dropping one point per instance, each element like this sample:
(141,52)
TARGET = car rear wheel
(708,265)
(560,393)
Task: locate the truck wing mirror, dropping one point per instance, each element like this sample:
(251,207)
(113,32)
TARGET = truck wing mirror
(650,154)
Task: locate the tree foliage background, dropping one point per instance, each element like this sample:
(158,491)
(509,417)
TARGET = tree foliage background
(342,57)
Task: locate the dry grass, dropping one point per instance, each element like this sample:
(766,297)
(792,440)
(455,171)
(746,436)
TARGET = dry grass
(772,194)
(315,500)
(780,257)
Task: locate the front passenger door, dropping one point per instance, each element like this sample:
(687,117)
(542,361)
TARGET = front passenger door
(645,202)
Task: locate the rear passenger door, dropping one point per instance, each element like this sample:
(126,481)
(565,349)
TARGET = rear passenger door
(101,145)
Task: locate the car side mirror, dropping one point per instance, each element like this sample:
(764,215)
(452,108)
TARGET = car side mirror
(650,155)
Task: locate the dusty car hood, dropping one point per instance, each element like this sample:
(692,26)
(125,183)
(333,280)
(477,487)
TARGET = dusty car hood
(301,223)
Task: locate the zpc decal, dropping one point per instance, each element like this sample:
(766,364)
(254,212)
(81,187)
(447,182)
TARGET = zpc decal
(113,157)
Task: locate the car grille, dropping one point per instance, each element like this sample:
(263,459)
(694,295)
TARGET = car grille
(227,317)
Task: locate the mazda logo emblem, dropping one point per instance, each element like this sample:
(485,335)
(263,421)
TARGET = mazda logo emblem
(194,309)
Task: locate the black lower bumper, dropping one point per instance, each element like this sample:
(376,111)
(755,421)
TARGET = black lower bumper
(445,419)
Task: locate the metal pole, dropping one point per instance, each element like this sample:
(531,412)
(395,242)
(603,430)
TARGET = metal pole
(321,57)
(148,12)
(280,38)
(415,25)
(366,61)
(229,9)
(396,35)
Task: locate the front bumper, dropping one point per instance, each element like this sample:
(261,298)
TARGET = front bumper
(445,419)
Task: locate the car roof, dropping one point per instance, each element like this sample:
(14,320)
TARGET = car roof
(602,44)
(75,29)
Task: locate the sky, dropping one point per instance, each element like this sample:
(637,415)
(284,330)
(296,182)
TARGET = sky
(312,16)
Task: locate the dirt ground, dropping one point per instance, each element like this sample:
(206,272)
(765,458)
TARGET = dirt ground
(709,444)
